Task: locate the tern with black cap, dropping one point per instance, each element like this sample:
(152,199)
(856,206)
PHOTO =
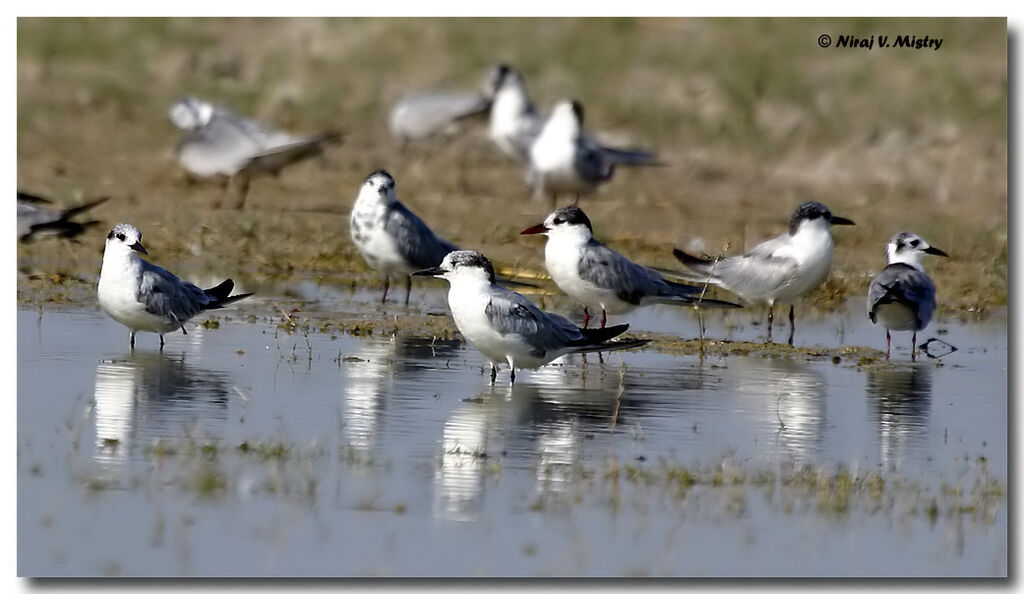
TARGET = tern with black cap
(602,278)
(782,269)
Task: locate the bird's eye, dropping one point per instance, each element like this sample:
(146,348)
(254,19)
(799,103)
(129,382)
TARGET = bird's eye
(559,220)
(120,236)
(915,243)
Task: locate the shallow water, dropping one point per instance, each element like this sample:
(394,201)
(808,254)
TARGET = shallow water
(248,451)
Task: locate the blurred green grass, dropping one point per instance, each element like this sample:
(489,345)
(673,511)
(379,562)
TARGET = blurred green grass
(752,115)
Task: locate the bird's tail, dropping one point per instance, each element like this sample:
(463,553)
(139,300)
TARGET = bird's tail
(700,268)
(596,335)
(596,339)
(631,157)
(615,345)
(689,295)
(222,294)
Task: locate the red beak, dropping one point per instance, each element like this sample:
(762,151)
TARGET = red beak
(535,229)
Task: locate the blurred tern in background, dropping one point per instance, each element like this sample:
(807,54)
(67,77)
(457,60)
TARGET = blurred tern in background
(564,158)
(902,296)
(600,277)
(38,218)
(515,123)
(780,269)
(422,115)
(144,296)
(219,142)
(507,327)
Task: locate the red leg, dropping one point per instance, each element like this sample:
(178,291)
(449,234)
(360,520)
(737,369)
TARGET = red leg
(387,285)
(604,317)
(888,343)
(586,317)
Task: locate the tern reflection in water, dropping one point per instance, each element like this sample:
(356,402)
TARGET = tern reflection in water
(528,425)
(149,396)
(900,402)
(790,395)
(374,374)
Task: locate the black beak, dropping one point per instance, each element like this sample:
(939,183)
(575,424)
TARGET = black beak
(936,251)
(137,246)
(435,271)
(840,221)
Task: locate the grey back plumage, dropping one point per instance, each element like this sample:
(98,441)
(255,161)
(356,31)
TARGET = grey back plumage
(631,282)
(511,313)
(424,114)
(416,242)
(165,295)
(906,285)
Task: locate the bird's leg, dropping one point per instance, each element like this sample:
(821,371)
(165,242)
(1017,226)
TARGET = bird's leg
(792,325)
(131,340)
(408,289)
(771,316)
(586,317)
(604,317)
(600,357)
(241,181)
(512,371)
(888,343)
(913,347)
(387,285)
(494,373)
(162,340)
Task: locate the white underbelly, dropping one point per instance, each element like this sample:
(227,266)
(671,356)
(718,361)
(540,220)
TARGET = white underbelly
(471,319)
(123,307)
(896,316)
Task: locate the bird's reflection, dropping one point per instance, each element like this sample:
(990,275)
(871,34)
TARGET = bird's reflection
(786,394)
(900,401)
(149,396)
(542,424)
(371,373)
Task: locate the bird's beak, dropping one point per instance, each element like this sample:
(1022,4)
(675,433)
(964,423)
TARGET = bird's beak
(137,246)
(841,221)
(435,271)
(935,251)
(535,229)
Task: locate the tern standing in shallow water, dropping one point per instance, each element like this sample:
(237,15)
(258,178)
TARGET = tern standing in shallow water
(144,296)
(390,237)
(779,270)
(564,159)
(902,296)
(507,327)
(600,277)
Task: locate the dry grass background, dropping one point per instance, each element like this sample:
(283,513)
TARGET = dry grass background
(751,114)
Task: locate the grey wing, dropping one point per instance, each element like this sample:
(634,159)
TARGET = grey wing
(30,215)
(758,271)
(899,283)
(608,269)
(511,313)
(591,163)
(421,115)
(419,246)
(258,134)
(167,296)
